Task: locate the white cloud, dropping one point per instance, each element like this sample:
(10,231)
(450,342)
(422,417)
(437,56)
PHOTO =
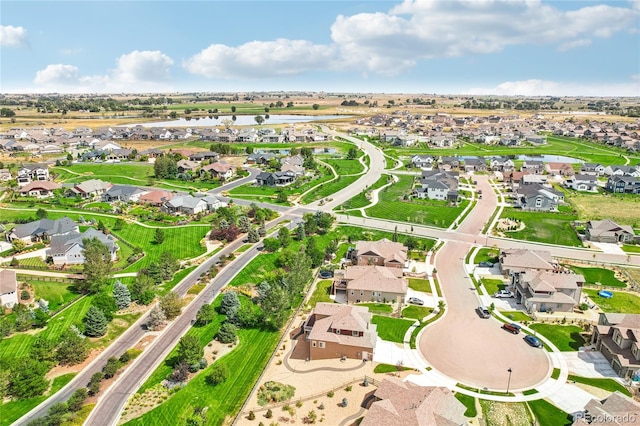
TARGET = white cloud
(260,59)
(583,42)
(137,71)
(425,29)
(11,36)
(535,87)
(143,66)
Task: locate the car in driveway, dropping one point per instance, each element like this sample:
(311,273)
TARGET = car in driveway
(485,264)
(483,312)
(511,327)
(416,301)
(533,341)
(503,294)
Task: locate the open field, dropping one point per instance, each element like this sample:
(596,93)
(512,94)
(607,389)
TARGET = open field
(57,294)
(622,209)
(425,212)
(542,227)
(622,302)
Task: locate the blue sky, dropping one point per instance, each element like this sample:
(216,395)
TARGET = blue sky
(515,47)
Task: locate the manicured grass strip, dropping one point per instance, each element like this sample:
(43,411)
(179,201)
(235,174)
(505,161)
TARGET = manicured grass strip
(345,167)
(483,391)
(244,364)
(516,316)
(530,392)
(606,384)
(321,293)
(377,308)
(565,337)
(416,312)
(416,331)
(486,255)
(361,199)
(391,329)
(621,302)
(329,188)
(551,228)
(13,410)
(493,286)
(548,414)
(244,248)
(419,284)
(599,275)
(631,249)
(388,368)
(469,402)
(556,373)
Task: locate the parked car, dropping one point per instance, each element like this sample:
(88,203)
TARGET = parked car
(483,312)
(416,301)
(533,341)
(512,327)
(326,274)
(485,264)
(503,294)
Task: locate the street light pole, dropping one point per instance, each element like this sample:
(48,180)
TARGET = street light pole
(509,381)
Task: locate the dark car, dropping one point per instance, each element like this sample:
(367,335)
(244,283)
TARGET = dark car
(511,327)
(533,341)
(326,274)
(483,312)
(416,301)
(485,265)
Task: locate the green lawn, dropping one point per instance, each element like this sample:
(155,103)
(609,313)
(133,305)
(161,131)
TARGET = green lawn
(301,185)
(328,189)
(565,337)
(551,228)
(555,374)
(621,302)
(416,312)
(469,402)
(361,200)
(392,206)
(345,167)
(631,249)
(106,171)
(548,414)
(610,385)
(599,275)
(244,364)
(486,255)
(321,293)
(492,286)
(516,315)
(377,308)
(391,329)
(57,294)
(13,410)
(419,284)
(388,368)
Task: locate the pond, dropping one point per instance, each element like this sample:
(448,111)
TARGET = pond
(241,120)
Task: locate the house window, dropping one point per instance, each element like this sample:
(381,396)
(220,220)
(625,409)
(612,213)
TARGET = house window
(618,338)
(313,343)
(338,331)
(321,345)
(355,333)
(538,202)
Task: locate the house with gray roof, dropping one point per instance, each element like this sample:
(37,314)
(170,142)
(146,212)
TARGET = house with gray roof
(32,172)
(594,169)
(538,197)
(275,179)
(42,229)
(617,337)
(190,205)
(8,288)
(582,183)
(607,231)
(438,185)
(615,410)
(422,161)
(623,184)
(123,193)
(68,249)
(89,189)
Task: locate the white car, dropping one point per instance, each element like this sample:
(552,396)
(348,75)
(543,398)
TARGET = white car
(503,294)
(416,301)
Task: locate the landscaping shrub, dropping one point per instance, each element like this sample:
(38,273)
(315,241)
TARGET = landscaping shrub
(275,392)
(218,375)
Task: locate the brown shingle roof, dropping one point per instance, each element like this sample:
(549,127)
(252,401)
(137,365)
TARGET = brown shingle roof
(383,248)
(375,278)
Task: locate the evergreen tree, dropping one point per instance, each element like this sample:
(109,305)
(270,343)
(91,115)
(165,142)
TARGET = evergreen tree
(122,295)
(230,303)
(77,399)
(205,315)
(301,234)
(227,333)
(244,223)
(28,378)
(284,235)
(43,349)
(168,265)
(158,237)
(253,236)
(171,305)
(189,349)
(72,348)
(95,323)
(142,289)
(156,318)
(262,231)
(106,303)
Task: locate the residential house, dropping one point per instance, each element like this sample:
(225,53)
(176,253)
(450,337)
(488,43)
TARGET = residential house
(192,205)
(582,183)
(406,140)
(622,171)
(514,261)
(187,166)
(615,410)
(371,283)
(42,230)
(5,175)
(403,403)
(218,170)
(156,198)
(335,331)
(593,169)
(89,189)
(510,140)
(542,291)
(537,197)
(617,337)
(382,253)
(449,163)
(32,173)
(533,167)
(422,161)
(275,179)
(260,158)
(68,249)
(529,179)
(8,288)
(273,138)
(607,231)
(296,169)
(623,185)
(206,155)
(442,141)
(39,189)
(559,169)
(536,139)
(438,185)
(475,165)
(297,160)
(123,193)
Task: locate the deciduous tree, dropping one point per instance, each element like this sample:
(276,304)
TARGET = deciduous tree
(189,349)
(71,348)
(97,265)
(171,305)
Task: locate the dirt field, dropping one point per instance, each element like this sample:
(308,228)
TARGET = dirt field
(623,210)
